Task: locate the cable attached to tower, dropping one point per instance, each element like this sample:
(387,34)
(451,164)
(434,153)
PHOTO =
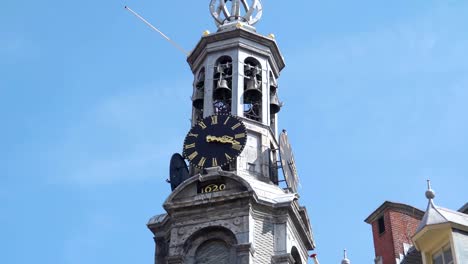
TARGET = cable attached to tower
(157,30)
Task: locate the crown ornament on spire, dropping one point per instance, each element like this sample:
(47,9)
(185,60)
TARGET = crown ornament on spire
(226,12)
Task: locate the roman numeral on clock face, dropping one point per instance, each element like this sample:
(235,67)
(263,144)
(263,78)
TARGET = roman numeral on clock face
(193,155)
(241,135)
(202,125)
(236,126)
(214,162)
(236,147)
(214,120)
(189,146)
(202,162)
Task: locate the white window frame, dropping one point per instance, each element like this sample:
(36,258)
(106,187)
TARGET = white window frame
(440,252)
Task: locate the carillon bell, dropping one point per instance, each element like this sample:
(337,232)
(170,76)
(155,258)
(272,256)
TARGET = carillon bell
(222,90)
(253,92)
(198,98)
(273,84)
(275,105)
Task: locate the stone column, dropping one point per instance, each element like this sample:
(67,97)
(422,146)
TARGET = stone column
(161,250)
(244,253)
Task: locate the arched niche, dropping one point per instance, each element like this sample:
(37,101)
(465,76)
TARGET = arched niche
(296,256)
(211,245)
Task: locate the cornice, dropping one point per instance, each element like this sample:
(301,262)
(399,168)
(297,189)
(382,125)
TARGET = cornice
(398,207)
(201,50)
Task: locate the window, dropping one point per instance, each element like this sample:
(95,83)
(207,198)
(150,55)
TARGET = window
(381,224)
(443,256)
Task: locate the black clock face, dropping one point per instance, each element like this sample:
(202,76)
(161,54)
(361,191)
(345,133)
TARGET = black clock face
(215,141)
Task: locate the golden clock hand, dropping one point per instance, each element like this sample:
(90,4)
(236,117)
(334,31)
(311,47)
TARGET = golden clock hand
(224,139)
(228,139)
(210,138)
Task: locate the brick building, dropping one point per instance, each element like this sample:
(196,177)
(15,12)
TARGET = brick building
(403,234)
(393,225)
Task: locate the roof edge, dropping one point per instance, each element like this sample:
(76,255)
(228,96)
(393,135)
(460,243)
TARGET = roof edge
(399,207)
(268,42)
(464,209)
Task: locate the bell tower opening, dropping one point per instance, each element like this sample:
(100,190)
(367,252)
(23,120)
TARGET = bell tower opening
(252,89)
(222,81)
(275,105)
(198,97)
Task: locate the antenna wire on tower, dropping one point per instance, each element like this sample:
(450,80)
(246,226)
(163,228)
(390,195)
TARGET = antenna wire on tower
(157,30)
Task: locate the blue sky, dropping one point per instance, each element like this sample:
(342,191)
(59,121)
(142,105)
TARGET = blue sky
(93,104)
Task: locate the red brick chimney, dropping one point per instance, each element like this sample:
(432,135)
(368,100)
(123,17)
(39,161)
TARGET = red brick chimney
(393,225)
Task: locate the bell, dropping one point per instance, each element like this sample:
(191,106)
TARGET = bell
(252,93)
(275,105)
(222,91)
(198,98)
(273,84)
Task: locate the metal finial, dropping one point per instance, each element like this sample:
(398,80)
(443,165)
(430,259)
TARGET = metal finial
(430,194)
(345,258)
(227,11)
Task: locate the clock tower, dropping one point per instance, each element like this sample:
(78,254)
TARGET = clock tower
(228,206)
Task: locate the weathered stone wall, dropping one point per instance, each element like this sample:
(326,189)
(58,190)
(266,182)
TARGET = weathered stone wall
(263,240)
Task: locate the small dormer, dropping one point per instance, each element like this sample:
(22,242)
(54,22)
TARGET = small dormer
(442,235)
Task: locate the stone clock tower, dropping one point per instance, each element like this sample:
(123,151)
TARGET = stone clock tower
(229,207)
